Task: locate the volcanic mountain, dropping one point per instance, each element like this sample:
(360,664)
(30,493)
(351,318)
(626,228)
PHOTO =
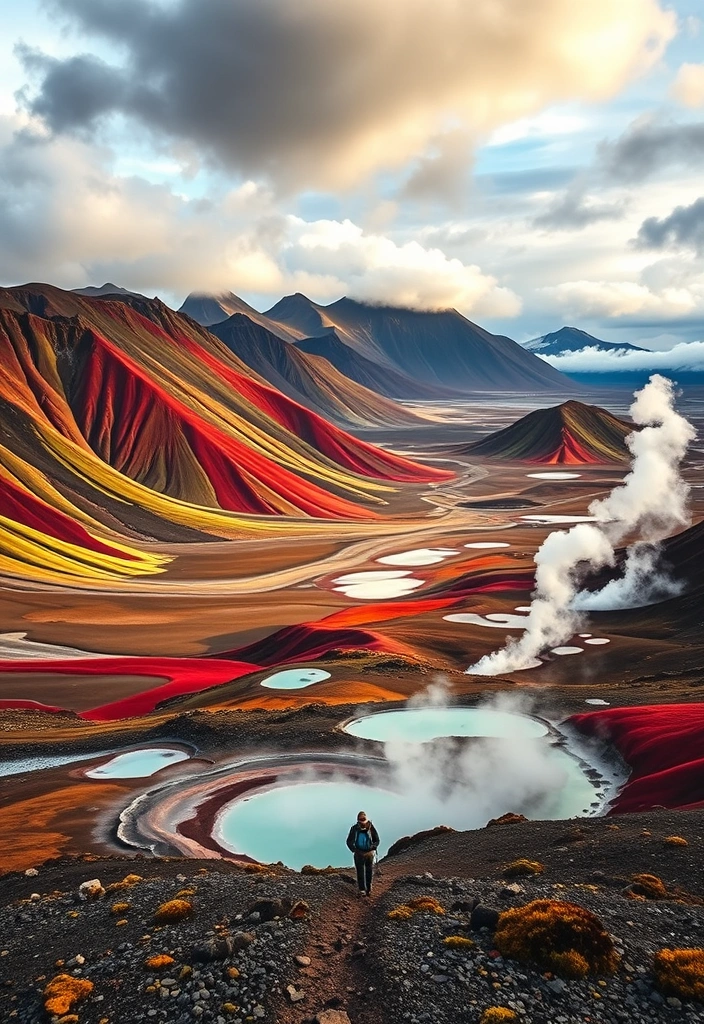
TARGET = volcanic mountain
(383,379)
(571,339)
(308,378)
(569,434)
(434,347)
(208,310)
(133,421)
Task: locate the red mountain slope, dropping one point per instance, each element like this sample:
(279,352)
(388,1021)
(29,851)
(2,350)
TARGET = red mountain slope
(165,403)
(571,434)
(663,744)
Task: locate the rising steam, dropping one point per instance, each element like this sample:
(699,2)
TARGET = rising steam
(646,508)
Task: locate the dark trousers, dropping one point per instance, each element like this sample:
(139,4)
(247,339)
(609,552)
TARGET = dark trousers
(364,863)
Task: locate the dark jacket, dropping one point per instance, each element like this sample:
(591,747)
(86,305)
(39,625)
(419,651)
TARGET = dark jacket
(352,838)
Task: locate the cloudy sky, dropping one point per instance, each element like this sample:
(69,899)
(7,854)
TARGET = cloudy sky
(532,164)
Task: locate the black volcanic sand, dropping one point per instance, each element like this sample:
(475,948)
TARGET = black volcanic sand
(356,959)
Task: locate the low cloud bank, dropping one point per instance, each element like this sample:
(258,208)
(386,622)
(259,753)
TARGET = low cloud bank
(685,357)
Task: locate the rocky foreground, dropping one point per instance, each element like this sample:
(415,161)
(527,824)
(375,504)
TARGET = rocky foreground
(124,941)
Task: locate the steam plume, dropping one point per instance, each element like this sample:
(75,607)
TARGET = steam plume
(649,504)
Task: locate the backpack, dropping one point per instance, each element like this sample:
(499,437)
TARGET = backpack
(363,840)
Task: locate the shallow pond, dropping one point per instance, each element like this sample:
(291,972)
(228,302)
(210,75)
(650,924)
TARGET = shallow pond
(377,584)
(138,764)
(494,620)
(419,556)
(486,544)
(295,678)
(554,476)
(419,725)
(547,519)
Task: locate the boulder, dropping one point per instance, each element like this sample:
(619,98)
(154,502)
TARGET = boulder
(91,890)
(220,947)
(484,917)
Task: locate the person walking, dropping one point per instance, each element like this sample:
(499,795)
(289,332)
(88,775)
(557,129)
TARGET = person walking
(363,842)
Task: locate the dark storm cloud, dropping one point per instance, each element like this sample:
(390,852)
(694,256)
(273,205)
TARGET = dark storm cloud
(320,91)
(651,146)
(75,92)
(574,210)
(683,228)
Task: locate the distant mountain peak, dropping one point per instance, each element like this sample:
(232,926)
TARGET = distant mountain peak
(573,339)
(91,291)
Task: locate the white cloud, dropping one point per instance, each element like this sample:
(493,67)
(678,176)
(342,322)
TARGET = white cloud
(332,91)
(377,269)
(688,87)
(615,299)
(683,357)
(65,218)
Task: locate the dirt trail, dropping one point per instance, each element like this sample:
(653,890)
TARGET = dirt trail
(341,974)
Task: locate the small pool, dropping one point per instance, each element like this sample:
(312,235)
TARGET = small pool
(486,544)
(554,476)
(545,520)
(418,556)
(420,725)
(377,584)
(295,678)
(565,651)
(138,764)
(495,620)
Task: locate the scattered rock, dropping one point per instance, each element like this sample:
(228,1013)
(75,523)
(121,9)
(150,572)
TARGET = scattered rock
(220,947)
(332,1017)
(301,960)
(91,890)
(484,917)
(296,995)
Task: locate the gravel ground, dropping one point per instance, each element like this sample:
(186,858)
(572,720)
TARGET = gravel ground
(37,932)
(425,983)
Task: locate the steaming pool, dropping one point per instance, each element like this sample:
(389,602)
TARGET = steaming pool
(305,819)
(420,725)
(303,816)
(298,807)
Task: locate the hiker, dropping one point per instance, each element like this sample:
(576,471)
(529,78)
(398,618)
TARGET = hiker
(363,841)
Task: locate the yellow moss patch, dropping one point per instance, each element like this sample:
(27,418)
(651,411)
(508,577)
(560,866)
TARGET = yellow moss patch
(230,1008)
(120,908)
(63,992)
(675,841)
(680,972)
(523,868)
(185,893)
(650,886)
(420,904)
(458,942)
(232,972)
(400,913)
(560,937)
(173,910)
(127,882)
(498,1015)
(158,962)
(426,903)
